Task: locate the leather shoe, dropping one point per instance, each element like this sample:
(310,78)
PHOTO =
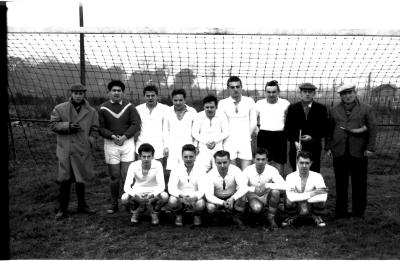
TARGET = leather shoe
(86,210)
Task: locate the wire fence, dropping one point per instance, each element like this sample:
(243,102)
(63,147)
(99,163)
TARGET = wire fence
(43,65)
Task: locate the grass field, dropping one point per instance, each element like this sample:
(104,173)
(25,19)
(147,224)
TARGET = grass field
(34,233)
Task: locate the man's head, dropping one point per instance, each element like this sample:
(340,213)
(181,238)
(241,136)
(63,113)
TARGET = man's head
(235,87)
(210,103)
(272,91)
(307,92)
(116,89)
(222,161)
(178,98)
(78,92)
(150,93)
(189,155)
(347,93)
(146,153)
(260,159)
(303,162)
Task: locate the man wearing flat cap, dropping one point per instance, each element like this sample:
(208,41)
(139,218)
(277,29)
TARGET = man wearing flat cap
(306,125)
(351,141)
(74,122)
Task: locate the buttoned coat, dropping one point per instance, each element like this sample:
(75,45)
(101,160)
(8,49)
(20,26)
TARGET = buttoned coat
(73,149)
(362,114)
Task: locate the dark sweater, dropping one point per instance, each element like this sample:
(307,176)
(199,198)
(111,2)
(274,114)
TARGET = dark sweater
(117,119)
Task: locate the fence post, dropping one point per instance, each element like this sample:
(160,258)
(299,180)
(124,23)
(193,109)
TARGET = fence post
(82,46)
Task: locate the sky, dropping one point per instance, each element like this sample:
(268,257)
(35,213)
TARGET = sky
(235,14)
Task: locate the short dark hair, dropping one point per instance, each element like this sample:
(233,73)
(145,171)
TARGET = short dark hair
(116,83)
(146,147)
(150,87)
(273,83)
(189,147)
(233,79)
(261,151)
(222,153)
(210,98)
(304,154)
(179,91)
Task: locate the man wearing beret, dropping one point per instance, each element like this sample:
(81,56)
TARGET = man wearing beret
(74,122)
(119,124)
(306,125)
(351,141)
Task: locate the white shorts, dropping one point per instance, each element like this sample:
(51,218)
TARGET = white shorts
(115,154)
(239,148)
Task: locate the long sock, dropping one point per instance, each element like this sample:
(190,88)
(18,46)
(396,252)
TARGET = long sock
(80,193)
(65,188)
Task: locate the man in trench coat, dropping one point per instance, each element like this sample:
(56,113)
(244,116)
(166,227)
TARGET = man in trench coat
(74,121)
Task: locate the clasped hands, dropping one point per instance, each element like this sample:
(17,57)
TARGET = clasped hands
(119,140)
(188,200)
(145,197)
(229,203)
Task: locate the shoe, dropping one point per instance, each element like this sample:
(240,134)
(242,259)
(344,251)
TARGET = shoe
(86,210)
(135,217)
(288,221)
(272,224)
(196,220)
(358,214)
(341,215)
(238,223)
(113,209)
(178,221)
(154,218)
(61,215)
(319,221)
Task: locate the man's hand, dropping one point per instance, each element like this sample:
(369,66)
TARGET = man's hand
(260,190)
(74,127)
(298,145)
(210,145)
(306,138)
(319,191)
(328,153)
(121,140)
(166,152)
(91,141)
(368,153)
(229,203)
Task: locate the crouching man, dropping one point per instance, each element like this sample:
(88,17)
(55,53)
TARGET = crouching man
(265,184)
(144,186)
(225,188)
(306,192)
(185,187)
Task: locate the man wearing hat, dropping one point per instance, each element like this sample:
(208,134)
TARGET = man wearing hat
(74,122)
(119,124)
(351,141)
(306,125)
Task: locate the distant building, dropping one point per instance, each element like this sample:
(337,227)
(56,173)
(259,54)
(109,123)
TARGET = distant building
(386,95)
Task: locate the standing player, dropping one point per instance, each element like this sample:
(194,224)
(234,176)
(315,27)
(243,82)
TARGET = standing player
(119,123)
(186,188)
(271,113)
(154,123)
(179,119)
(74,122)
(264,183)
(210,128)
(144,186)
(242,118)
(309,118)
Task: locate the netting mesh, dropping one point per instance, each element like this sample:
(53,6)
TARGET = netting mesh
(43,65)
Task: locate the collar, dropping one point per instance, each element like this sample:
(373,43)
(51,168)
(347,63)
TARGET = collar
(120,102)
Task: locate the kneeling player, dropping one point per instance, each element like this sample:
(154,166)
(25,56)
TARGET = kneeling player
(185,187)
(144,185)
(264,183)
(225,187)
(306,192)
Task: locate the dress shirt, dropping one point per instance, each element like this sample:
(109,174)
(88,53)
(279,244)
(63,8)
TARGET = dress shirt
(188,184)
(295,192)
(270,175)
(205,129)
(272,115)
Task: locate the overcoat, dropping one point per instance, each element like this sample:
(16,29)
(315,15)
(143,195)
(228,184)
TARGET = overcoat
(73,149)
(362,114)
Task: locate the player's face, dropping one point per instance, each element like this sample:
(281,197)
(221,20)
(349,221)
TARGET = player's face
(210,108)
(151,98)
(303,165)
(271,93)
(307,95)
(260,160)
(77,96)
(348,96)
(178,101)
(222,164)
(116,94)
(235,89)
(188,158)
(146,158)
